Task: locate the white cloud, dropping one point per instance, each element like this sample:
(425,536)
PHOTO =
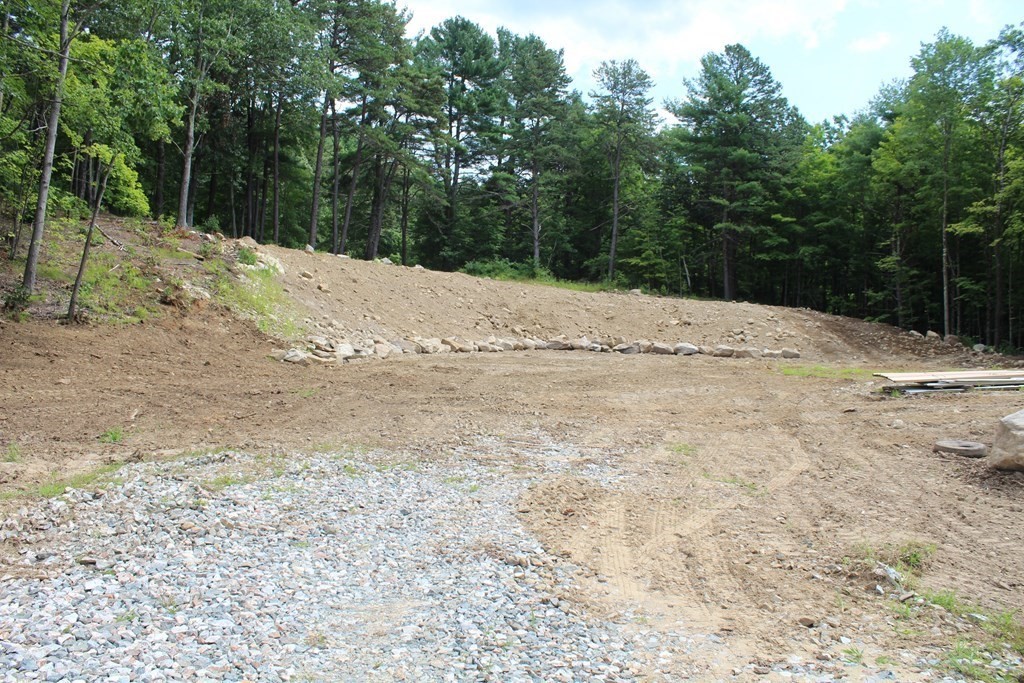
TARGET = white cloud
(872,43)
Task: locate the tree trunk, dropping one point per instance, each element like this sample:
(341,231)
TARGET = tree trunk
(350,200)
(385,176)
(186,152)
(405,216)
(535,216)
(318,172)
(946,329)
(161,173)
(616,174)
(335,180)
(31,263)
(88,241)
(277,171)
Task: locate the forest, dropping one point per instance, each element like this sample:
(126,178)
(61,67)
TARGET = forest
(324,123)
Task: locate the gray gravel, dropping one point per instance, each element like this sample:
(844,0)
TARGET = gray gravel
(238,567)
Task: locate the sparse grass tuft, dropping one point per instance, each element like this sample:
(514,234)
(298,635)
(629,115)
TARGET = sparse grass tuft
(246,256)
(825,372)
(112,435)
(257,295)
(12,453)
(684,449)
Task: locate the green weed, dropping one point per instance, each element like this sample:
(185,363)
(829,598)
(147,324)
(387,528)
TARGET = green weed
(112,435)
(221,482)
(246,256)
(12,453)
(826,372)
(257,295)
(683,449)
(853,655)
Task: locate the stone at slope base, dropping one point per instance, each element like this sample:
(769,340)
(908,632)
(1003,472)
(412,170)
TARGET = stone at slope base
(684,349)
(662,349)
(295,356)
(723,351)
(790,353)
(968,449)
(1008,449)
(628,349)
(747,353)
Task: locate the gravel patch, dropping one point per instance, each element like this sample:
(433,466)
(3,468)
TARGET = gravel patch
(240,567)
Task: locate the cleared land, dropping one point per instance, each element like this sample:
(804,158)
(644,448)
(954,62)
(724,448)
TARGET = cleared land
(749,494)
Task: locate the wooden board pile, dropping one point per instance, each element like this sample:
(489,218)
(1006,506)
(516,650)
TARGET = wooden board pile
(921,382)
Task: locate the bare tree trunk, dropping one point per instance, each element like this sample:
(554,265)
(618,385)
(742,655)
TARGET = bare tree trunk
(335,181)
(535,216)
(355,180)
(277,171)
(161,172)
(405,216)
(318,172)
(616,174)
(187,150)
(88,240)
(946,329)
(31,263)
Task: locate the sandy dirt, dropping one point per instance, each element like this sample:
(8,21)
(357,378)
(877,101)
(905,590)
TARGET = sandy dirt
(748,498)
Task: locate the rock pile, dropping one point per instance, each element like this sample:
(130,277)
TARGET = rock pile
(321,349)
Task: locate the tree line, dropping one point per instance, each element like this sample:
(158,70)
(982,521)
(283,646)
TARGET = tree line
(323,122)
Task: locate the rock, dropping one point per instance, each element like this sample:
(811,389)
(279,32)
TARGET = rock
(383,351)
(706,350)
(748,352)
(790,353)
(295,356)
(1008,449)
(723,351)
(662,349)
(968,449)
(807,622)
(952,339)
(768,353)
(407,346)
(387,262)
(321,343)
(645,346)
(628,349)
(418,267)
(507,345)
(249,243)
(323,288)
(486,347)
(934,336)
(306,275)
(560,343)
(310,249)
(684,349)
(344,351)
(636,292)
(979,348)
(916,335)
(580,344)
(616,341)
(528,344)
(457,346)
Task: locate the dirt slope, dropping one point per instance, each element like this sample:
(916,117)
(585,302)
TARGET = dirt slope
(743,499)
(371,299)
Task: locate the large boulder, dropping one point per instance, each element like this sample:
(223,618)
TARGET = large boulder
(684,349)
(661,349)
(1008,449)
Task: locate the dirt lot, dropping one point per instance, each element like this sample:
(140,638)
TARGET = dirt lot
(748,499)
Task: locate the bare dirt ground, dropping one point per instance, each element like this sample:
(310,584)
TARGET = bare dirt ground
(749,499)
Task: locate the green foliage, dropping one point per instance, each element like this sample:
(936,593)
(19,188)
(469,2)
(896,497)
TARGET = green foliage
(12,453)
(257,295)
(112,435)
(247,256)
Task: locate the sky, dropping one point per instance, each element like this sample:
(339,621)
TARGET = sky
(831,56)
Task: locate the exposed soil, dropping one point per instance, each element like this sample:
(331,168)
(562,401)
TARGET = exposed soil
(742,491)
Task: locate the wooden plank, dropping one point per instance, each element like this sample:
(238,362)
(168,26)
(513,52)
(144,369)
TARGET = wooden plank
(961,376)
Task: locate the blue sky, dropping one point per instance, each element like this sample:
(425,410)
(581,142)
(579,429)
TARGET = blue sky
(831,56)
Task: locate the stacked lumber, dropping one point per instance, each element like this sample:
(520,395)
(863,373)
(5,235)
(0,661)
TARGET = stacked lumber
(918,382)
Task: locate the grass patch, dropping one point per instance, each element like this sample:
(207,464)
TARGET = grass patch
(221,482)
(112,435)
(257,295)
(826,372)
(683,449)
(246,256)
(57,487)
(12,453)
(748,486)
(527,273)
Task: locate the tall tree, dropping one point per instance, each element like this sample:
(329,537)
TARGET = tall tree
(947,82)
(627,119)
(733,128)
